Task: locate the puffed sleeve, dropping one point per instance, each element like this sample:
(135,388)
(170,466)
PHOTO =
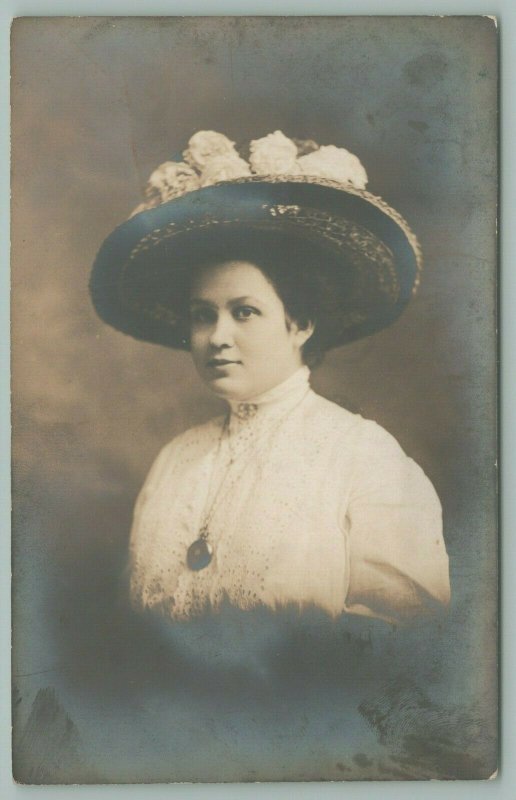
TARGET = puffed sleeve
(398,565)
(142,550)
(160,464)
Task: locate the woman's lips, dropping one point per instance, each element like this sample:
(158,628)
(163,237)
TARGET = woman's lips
(221,362)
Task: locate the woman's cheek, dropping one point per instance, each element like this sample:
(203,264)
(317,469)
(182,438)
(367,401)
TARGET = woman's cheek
(196,335)
(197,344)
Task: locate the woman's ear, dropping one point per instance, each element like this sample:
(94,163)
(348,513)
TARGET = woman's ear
(303,331)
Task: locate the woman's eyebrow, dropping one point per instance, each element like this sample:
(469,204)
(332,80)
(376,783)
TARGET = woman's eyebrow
(244,299)
(199,301)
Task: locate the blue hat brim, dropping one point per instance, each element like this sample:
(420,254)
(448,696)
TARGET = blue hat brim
(360,240)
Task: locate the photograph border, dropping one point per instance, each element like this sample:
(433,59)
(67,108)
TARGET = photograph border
(504,783)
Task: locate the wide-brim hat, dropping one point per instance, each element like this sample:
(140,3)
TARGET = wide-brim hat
(370,257)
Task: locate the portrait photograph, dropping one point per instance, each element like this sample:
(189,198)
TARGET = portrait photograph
(254,399)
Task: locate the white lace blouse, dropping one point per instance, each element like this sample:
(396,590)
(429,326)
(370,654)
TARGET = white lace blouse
(306,504)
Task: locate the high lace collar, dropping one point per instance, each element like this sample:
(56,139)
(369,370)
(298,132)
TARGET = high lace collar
(282,396)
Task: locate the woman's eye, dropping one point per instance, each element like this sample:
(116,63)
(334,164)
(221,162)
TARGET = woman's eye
(245,312)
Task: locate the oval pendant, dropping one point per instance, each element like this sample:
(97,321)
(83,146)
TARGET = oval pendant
(199,555)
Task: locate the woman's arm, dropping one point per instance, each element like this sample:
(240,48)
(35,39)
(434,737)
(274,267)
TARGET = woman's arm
(398,565)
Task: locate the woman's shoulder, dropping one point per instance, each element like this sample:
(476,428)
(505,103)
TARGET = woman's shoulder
(379,458)
(190,444)
(197,438)
(373,448)
(350,424)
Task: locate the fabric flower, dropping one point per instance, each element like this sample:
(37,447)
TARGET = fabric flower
(211,157)
(274,154)
(171,179)
(334,163)
(205,145)
(224,168)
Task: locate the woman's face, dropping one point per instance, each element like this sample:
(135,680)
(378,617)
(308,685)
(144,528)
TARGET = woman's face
(242,341)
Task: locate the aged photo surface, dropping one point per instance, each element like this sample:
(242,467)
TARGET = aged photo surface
(254,399)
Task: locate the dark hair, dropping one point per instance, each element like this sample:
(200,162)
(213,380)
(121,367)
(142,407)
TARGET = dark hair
(294,269)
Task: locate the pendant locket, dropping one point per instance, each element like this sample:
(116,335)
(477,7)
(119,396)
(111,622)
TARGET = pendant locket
(199,554)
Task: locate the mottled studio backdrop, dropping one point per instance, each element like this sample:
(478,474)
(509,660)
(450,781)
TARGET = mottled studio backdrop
(97,104)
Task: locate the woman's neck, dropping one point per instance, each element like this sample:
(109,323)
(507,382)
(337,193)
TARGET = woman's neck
(283,394)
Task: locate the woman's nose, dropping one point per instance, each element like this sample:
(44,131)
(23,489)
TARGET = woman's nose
(221,334)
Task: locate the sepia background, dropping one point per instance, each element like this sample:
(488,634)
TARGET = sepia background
(97,104)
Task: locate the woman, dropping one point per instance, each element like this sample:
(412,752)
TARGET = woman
(288,500)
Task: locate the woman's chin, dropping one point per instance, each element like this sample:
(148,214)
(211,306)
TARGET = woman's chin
(227,387)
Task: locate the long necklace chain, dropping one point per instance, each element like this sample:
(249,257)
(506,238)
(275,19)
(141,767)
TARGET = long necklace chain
(200,552)
(207,515)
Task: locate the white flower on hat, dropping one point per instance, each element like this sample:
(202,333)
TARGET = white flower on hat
(171,179)
(211,157)
(334,163)
(274,154)
(224,168)
(205,145)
